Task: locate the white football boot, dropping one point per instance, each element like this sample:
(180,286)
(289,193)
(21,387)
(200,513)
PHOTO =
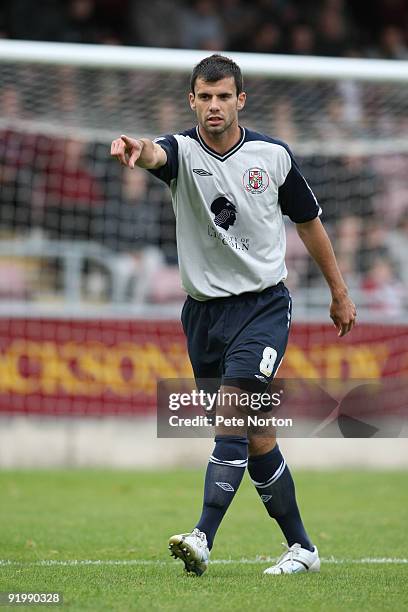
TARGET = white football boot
(296,560)
(192,549)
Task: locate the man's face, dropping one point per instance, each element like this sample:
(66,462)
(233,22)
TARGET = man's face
(216,104)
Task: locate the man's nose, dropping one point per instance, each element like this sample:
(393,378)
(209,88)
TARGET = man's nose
(214,104)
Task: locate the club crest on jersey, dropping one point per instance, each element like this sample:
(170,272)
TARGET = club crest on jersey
(255,180)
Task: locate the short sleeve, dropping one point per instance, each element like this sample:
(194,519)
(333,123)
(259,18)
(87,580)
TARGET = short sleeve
(296,199)
(169,171)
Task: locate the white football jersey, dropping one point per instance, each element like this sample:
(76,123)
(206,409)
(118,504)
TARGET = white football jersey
(229,211)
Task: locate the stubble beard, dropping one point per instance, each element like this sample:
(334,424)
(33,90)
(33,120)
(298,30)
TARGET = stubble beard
(217,130)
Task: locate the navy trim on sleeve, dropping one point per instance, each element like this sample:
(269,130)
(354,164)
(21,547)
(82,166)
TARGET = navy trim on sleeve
(169,171)
(296,199)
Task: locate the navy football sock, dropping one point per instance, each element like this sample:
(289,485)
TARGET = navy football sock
(225,470)
(274,483)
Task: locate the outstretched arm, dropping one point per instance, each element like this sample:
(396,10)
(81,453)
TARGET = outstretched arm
(317,242)
(141,152)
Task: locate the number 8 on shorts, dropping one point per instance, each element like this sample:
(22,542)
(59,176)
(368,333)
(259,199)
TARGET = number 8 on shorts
(269,356)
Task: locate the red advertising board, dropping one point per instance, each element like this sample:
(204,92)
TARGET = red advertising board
(99,367)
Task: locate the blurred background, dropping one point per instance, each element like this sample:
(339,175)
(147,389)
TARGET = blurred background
(89,289)
(302,27)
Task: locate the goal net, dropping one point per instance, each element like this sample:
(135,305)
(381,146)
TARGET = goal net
(60,106)
(85,245)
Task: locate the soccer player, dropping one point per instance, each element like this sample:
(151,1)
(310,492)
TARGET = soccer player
(230,188)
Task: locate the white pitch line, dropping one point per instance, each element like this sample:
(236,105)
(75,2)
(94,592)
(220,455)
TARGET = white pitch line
(136,562)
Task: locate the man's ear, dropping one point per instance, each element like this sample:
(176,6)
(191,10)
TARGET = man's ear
(241,100)
(191,99)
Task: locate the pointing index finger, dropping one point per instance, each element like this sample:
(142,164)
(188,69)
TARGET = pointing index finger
(126,140)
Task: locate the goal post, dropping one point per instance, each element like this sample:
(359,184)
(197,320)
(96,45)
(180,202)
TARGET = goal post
(42,67)
(182,60)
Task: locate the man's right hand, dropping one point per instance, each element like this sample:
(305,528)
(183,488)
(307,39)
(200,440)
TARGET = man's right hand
(127,150)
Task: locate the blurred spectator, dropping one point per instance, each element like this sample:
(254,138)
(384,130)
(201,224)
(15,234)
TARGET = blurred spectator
(360,187)
(282,124)
(384,292)
(392,201)
(392,43)
(397,243)
(66,192)
(19,158)
(344,113)
(240,21)
(144,19)
(333,124)
(202,27)
(68,177)
(346,187)
(68,99)
(350,93)
(138,224)
(268,39)
(349,231)
(82,26)
(136,215)
(168,117)
(129,222)
(333,29)
(10,102)
(302,40)
(374,244)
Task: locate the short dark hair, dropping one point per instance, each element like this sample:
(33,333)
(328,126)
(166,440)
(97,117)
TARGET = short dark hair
(217,67)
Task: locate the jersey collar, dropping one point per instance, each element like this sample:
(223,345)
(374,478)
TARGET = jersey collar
(230,152)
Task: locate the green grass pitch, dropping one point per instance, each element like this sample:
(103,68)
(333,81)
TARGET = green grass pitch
(356,519)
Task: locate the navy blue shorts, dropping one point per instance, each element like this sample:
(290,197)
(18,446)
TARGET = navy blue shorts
(239,340)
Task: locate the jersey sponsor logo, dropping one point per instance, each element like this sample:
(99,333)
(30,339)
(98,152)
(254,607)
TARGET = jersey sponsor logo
(255,180)
(202,172)
(266,498)
(224,211)
(240,243)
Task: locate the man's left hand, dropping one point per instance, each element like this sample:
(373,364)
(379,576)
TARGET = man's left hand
(343,314)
